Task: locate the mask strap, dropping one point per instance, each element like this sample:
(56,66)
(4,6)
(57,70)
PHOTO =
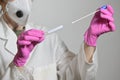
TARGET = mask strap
(1,11)
(6,8)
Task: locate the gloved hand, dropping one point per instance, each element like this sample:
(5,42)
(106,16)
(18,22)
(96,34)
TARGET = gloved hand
(102,22)
(26,42)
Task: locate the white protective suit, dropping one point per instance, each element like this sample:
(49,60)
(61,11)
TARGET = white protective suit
(50,60)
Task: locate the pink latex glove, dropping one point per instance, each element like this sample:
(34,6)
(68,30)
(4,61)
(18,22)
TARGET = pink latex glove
(26,42)
(102,22)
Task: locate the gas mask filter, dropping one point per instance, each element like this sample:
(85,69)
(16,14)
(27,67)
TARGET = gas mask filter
(19,11)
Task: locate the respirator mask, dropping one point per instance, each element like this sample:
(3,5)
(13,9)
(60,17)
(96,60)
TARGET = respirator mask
(19,11)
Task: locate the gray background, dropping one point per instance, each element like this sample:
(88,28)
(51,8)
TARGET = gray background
(53,13)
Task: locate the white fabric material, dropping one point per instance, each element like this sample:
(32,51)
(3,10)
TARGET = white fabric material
(50,60)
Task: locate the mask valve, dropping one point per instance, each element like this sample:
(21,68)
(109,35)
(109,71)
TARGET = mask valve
(19,14)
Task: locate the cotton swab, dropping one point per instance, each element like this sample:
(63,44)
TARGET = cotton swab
(103,7)
(85,16)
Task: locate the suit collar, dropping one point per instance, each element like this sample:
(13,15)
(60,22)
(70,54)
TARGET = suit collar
(9,36)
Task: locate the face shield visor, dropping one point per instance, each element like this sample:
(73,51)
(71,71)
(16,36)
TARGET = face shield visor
(19,11)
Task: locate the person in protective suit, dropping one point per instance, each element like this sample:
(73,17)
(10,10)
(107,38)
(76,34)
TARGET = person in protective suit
(26,53)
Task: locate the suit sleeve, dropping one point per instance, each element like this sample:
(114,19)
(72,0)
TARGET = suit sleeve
(72,66)
(13,73)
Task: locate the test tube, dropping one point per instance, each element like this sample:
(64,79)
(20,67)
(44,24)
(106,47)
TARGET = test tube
(54,29)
